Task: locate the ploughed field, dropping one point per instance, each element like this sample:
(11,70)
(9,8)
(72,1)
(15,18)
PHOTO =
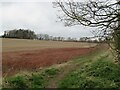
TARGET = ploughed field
(18,54)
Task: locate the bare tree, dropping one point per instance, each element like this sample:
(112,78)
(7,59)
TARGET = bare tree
(103,14)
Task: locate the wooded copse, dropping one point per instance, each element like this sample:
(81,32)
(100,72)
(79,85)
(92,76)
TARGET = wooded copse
(20,34)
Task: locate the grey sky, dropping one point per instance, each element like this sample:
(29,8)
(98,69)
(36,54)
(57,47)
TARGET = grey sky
(37,16)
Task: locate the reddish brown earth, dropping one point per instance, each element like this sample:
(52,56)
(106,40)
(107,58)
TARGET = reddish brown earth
(31,60)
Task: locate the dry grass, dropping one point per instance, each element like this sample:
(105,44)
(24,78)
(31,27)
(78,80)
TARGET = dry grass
(21,44)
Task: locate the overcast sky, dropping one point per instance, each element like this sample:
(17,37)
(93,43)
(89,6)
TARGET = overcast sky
(37,16)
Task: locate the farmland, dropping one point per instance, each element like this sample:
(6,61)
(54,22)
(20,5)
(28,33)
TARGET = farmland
(52,64)
(19,54)
(21,44)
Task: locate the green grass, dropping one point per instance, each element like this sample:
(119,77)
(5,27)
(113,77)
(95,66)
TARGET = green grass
(30,80)
(37,81)
(51,71)
(17,82)
(22,81)
(102,73)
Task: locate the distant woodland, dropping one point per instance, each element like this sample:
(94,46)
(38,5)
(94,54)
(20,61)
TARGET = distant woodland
(28,34)
(20,34)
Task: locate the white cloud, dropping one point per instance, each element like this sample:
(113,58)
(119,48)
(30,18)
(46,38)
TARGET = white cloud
(40,17)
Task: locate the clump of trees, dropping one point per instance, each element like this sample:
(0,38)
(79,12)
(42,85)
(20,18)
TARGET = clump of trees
(20,34)
(103,14)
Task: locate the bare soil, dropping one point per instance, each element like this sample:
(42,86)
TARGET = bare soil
(16,61)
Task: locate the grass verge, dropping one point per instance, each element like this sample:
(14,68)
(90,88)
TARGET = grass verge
(101,73)
(30,80)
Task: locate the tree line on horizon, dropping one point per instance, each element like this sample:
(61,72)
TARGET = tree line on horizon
(20,34)
(28,34)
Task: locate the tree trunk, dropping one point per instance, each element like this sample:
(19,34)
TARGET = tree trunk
(117,40)
(118,53)
(117,44)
